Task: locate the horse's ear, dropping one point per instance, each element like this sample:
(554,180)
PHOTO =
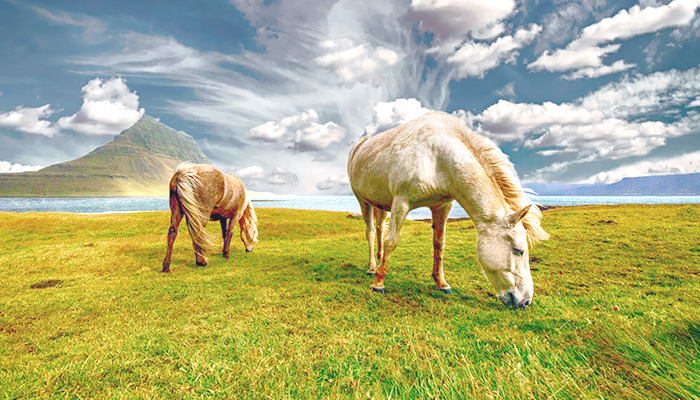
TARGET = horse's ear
(517,216)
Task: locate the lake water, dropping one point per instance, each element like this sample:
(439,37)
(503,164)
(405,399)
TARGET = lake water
(100,205)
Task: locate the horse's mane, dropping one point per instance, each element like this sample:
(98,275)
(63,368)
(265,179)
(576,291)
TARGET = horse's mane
(188,185)
(502,173)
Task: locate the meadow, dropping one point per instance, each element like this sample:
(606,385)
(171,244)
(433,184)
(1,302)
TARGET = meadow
(86,313)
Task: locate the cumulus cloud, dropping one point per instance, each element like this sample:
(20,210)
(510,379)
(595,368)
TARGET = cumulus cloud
(30,120)
(109,107)
(353,63)
(570,128)
(619,120)
(453,20)
(595,72)
(468,35)
(314,137)
(334,182)
(282,176)
(389,115)
(585,54)
(303,132)
(475,59)
(255,176)
(7,167)
(252,172)
(268,132)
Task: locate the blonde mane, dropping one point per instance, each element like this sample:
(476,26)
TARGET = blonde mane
(187,185)
(503,176)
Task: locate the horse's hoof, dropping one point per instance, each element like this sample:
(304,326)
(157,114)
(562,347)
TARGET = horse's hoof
(447,290)
(165,271)
(199,264)
(371,273)
(378,290)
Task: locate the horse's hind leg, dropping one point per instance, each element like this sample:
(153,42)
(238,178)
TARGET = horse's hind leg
(368,216)
(399,210)
(225,223)
(440,215)
(380,217)
(175,218)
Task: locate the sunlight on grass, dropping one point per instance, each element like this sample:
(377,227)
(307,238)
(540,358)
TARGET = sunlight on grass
(85,312)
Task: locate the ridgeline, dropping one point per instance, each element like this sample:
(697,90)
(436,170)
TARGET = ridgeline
(136,163)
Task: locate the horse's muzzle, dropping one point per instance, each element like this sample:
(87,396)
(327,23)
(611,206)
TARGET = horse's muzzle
(509,301)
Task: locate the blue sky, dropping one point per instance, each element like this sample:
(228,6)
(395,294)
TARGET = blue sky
(277,91)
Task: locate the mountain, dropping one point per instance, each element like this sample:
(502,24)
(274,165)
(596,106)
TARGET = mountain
(138,162)
(658,185)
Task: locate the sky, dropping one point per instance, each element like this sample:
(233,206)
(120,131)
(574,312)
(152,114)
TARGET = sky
(278,91)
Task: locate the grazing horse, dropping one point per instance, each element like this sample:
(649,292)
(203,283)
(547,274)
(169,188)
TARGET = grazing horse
(430,162)
(201,193)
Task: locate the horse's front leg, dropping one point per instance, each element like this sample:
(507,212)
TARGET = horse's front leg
(368,216)
(175,218)
(440,216)
(399,209)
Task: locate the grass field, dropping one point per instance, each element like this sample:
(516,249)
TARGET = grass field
(85,312)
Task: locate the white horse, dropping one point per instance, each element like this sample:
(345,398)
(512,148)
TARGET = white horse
(430,162)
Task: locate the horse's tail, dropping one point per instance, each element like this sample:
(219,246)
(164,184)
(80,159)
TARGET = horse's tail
(249,227)
(188,185)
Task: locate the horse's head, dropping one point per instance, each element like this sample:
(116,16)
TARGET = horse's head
(502,253)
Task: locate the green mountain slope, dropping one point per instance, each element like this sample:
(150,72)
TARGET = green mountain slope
(137,162)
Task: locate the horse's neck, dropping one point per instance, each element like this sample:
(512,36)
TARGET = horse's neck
(478,195)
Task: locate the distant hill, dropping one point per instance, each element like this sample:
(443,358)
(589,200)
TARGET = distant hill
(658,185)
(138,162)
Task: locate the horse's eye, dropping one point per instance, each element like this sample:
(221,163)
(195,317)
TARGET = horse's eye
(518,252)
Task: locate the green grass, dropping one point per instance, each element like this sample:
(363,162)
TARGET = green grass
(615,311)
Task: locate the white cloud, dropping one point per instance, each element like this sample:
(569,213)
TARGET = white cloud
(614,122)
(7,167)
(452,20)
(334,182)
(683,164)
(108,108)
(598,71)
(584,53)
(561,25)
(303,132)
(268,132)
(506,121)
(353,63)
(572,58)
(645,95)
(30,120)
(475,59)
(313,136)
(282,176)
(252,172)
(507,91)
(93,27)
(389,115)
(609,138)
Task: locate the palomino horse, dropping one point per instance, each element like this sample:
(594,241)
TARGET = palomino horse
(201,193)
(430,162)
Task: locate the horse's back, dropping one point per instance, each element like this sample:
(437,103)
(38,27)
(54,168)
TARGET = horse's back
(412,160)
(203,179)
